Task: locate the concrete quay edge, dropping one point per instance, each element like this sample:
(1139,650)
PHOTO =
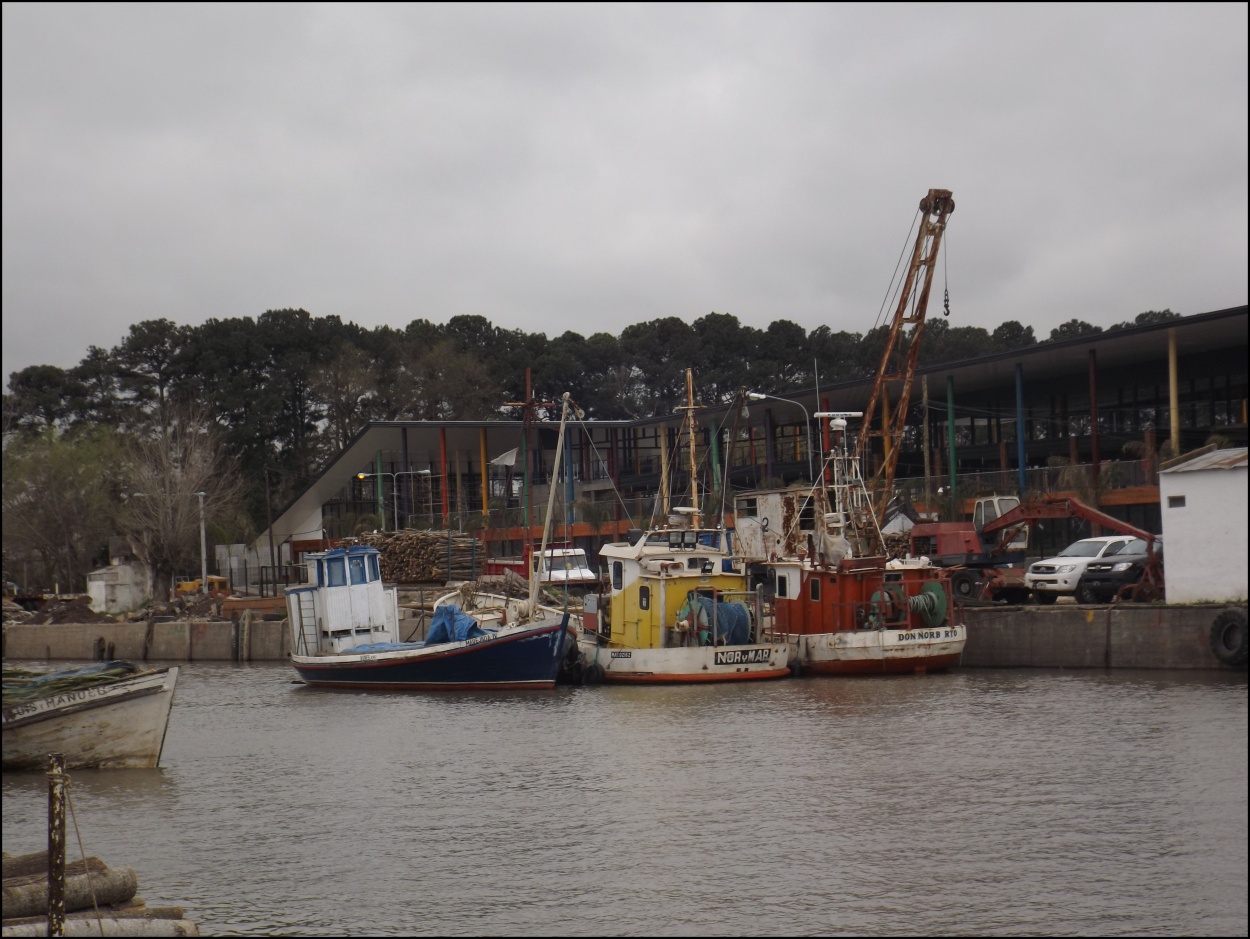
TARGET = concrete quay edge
(1068,636)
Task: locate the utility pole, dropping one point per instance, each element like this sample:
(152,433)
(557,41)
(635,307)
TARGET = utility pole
(203,549)
(273,557)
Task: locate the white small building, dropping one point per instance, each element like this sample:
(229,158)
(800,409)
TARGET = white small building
(118,588)
(1202,497)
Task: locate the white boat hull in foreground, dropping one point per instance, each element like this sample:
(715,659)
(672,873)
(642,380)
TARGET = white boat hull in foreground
(120,725)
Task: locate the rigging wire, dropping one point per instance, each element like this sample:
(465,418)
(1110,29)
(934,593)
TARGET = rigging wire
(895,284)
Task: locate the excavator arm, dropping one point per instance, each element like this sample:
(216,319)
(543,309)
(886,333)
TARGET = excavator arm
(1061,507)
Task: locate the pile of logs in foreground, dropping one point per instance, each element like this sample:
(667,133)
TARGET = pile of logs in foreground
(412,556)
(96,897)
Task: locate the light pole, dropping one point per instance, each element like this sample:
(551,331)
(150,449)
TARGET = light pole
(395,491)
(807,425)
(203,549)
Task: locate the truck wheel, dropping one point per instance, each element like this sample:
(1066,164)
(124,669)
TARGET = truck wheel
(1228,637)
(1086,595)
(964,585)
(1044,598)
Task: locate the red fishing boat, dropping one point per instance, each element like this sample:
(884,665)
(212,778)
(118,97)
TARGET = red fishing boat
(840,602)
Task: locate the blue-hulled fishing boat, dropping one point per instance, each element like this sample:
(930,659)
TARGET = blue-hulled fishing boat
(345,630)
(345,634)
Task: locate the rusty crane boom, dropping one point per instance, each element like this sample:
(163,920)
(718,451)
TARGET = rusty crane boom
(898,359)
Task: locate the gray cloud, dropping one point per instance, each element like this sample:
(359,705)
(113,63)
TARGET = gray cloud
(583,168)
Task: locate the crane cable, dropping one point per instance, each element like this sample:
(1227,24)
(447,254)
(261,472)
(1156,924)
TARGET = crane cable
(946,290)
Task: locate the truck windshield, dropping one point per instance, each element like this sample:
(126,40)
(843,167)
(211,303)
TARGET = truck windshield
(1082,549)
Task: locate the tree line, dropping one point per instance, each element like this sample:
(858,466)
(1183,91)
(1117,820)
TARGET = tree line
(267,400)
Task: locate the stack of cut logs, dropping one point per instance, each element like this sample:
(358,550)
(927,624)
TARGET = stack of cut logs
(897,544)
(99,900)
(412,556)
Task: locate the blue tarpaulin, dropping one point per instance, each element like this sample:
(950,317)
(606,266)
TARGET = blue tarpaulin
(732,621)
(386,647)
(452,624)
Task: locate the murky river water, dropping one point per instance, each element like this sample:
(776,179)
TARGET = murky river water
(973,803)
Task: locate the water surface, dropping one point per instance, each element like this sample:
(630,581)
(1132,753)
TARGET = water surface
(977,802)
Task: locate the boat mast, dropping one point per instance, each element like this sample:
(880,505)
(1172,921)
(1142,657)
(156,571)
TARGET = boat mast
(536,563)
(694,477)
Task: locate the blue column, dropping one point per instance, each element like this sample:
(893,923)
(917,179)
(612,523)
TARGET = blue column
(1020,424)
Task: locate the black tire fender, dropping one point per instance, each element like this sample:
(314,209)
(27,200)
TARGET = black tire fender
(1228,637)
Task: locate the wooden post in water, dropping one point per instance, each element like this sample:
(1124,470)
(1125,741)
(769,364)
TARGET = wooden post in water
(56,844)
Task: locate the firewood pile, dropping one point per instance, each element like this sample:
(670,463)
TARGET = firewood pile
(413,556)
(98,900)
(897,544)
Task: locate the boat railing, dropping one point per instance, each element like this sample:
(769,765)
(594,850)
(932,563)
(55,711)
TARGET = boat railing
(895,604)
(756,603)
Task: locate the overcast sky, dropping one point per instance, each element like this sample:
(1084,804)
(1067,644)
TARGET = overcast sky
(583,168)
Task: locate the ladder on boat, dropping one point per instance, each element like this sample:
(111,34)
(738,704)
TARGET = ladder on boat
(306,628)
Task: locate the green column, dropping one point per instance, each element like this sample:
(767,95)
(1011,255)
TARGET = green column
(950,438)
(377,480)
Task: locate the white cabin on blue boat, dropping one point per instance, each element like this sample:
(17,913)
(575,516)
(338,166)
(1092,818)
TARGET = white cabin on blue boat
(343,605)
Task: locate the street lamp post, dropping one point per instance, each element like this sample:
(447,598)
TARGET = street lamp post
(807,425)
(395,491)
(203,549)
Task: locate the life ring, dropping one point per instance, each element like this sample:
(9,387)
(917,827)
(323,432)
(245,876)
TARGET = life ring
(1228,637)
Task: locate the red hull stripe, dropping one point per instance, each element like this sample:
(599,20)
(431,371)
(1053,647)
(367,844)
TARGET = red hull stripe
(879,666)
(651,678)
(422,657)
(432,686)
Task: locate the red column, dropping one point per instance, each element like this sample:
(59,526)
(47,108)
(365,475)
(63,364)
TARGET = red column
(1093,415)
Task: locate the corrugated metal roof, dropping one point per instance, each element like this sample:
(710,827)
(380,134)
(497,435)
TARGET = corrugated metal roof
(1216,459)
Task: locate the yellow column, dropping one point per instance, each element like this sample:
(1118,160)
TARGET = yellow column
(1174,394)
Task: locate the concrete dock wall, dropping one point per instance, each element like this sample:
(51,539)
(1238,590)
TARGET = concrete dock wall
(1063,636)
(1071,636)
(179,641)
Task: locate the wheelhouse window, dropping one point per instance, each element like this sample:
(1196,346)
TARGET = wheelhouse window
(375,573)
(781,585)
(813,588)
(356,565)
(644,598)
(617,575)
(336,573)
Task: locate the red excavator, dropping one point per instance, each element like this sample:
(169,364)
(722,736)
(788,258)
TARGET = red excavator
(1149,587)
